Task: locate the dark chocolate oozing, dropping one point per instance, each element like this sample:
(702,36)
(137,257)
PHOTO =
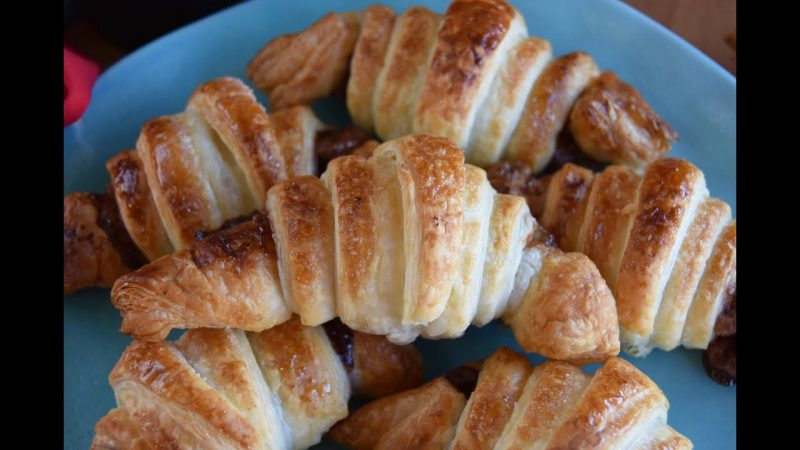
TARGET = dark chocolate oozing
(341,337)
(110,221)
(567,151)
(719,360)
(464,379)
(230,223)
(333,143)
(234,244)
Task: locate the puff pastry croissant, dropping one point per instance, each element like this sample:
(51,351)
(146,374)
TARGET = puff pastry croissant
(666,248)
(512,405)
(227,389)
(410,241)
(190,172)
(471,75)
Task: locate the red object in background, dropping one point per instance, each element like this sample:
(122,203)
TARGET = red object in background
(79,77)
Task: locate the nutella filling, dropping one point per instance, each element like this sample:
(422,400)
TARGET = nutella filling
(110,221)
(335,142)
(464,379)
(719,359)
(342,338)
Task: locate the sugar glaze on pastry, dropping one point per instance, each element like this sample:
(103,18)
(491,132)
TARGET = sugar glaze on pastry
(471,75)
(666,248)
(512,405)
(410,241)
(189,172)
(227,389)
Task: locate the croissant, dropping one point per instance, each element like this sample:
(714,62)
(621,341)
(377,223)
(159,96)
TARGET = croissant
(471,75)
(507,404)
(408,242)
(222,388)
(190,172)
(665,247)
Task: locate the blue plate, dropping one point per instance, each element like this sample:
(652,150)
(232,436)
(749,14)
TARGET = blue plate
(694,94)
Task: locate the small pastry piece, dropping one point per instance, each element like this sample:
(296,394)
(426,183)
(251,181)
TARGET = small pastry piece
(224,388)
(666,249)
(470,75)
(320,56)
(118,431)
(516,406)
(406,242)
(612,122)
(96,248)
(189,173)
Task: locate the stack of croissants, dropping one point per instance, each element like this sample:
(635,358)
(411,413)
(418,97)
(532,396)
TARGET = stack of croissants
(304,260)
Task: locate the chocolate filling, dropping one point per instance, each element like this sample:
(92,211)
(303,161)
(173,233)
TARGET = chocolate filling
(230,223)
(110,221)
(335,142)
(719,359)
(342,338)
(464,379)
(567,151)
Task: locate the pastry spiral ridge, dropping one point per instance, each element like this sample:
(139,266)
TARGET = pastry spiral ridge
(408,242)
(224,388)
(471,75)
(512,405)
(666,248)
(190,172)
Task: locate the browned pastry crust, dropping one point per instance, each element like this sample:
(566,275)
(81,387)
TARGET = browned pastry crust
(313,62)
(301,212)
(181,193)
(502,377)
(222,388)
(190,173)
(182,290)
(370,49)
(420,418)
(136,206)
(393,245)
(666,249)
(230,108)
(548,106)
(516,406)
(549,321)
(95,251)
(118,431)
(471,35)
(403,71)
(381,367)
(612,122)
(469,75)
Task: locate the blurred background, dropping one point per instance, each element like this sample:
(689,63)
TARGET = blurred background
(105,31)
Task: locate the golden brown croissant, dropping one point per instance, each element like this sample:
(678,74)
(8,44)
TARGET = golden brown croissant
(190,172)
(471,75)
(410,241)
(666,248)
(507,404)
(223,388)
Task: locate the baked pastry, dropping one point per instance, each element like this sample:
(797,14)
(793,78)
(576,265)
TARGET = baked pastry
(223,388)
(471,75)
(408,242)
(511,405)
(665,247)
(189,172)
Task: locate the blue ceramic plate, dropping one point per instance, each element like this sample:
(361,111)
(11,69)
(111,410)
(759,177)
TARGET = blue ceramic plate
(694,94)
